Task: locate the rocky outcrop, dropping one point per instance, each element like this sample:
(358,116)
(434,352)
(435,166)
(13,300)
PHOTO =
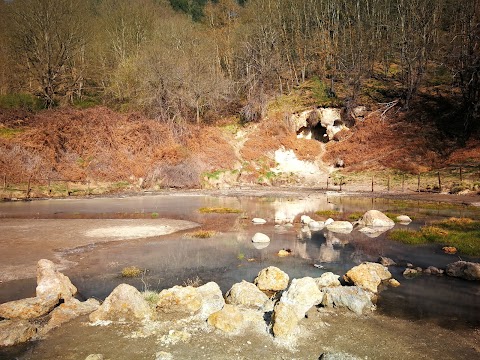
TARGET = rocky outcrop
(464,269)
(13,332)
(260,238)
(69,310)
(368,276)
(125,303)
(344,227)
(271,279)
(51,283)
(229,319)
(29,308)
(354,298)
(180,300)
(376,218)
(247,295)
(212,299)
(308,122)
(293,305)
(327,279)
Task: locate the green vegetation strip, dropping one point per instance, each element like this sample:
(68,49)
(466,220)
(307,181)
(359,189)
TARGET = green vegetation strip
(462,233)
(219,210)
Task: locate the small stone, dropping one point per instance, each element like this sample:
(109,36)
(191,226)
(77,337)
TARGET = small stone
(259,221)
(393,283)
(316,225)
(449,250)
(464,269)
(410,273)
(163,355)
(403,219)
(433,270)
(368,276)
(283,253)
(260,238)
(340,226)
(327,279)
(385,261)
(305,219)
(173,337)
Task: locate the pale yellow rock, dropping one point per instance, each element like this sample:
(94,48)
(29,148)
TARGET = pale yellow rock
(272,278)
(229,319)
(29,308)
(283,253)
(393,283)
(284,320)
(179,299)
(368,276)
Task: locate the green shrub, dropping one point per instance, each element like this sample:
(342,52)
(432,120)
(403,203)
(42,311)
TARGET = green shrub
(21,101)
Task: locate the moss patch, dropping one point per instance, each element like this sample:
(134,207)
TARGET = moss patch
(219,210)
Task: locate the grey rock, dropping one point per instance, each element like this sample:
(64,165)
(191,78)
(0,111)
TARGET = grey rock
(385,261)
(52,284)
(212,299)
(354,298)
(464,269)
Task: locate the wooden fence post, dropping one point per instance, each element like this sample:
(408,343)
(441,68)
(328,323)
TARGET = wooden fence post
(88,187)
(403,182)
(327,181)
(461,175)
(341,184)
(28,187)
(418,184)
(49,187)
(68,187)
(372,182)
(439,182)
(388,183)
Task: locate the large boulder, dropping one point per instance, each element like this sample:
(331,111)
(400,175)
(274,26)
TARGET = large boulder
(376,218)
(302,294)
(13,332)
(327,279)
(247,295)
(212,299)
(344,227)
(271,279)
(179,300)
(69,311)
(284,320)
(52,284)
(229,319)
(352,297)
(124,303)
(464,269)
(29,308)
(368,276)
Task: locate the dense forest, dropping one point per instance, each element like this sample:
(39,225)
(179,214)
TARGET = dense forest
(197,60)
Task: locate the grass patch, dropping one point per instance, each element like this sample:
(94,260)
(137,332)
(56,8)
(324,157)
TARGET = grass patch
(219,210)
(154,215)
(194,282)
(20,101)
(327,213)
(8,133)
(461,233)
(131,272)
(355,216)
(202,234)
(151,297)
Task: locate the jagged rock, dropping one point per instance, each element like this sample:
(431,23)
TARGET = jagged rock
(51,283)
(284,319)
(179,299)
(340,227)
(303,293)
(305,219)
(327,279)
(316,225)
(229,319)
(385,261)
(124,303)
(272,279)
(69,310)
(464,269)
(259,221)
(212,299)
(13,332)
(359,111)
(403,219)
(246,294)
(95,357)
(260,238)
(376,218)
(368,276)
(354,298)
(29,308)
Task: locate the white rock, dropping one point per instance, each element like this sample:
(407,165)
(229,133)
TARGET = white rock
(272,278)
(260,238)
(328,221)
(404,219)
(305,219)
(51,283)
(327,279)
(340,227)
(246,294)
(316,225)
(212,299)
(259,221)
(376,218)
(368,276)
